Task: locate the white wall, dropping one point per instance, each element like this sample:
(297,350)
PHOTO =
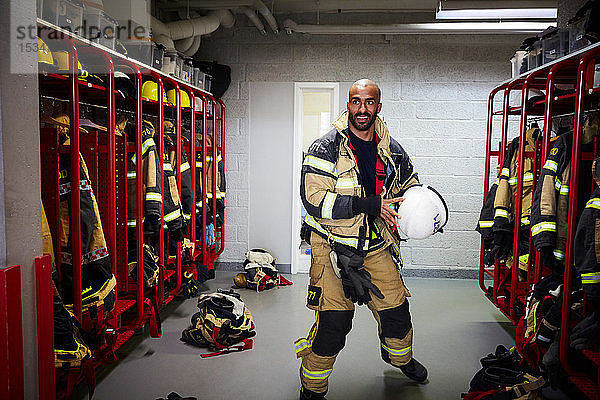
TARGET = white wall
(270,167)
(435,90)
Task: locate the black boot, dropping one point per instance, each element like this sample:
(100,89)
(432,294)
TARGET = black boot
(306,394)
(415,371)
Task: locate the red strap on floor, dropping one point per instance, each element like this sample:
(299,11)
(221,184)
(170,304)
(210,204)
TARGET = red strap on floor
(283,281)
(248,343)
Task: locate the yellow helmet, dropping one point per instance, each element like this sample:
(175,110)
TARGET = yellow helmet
(240,280)
(150,91)
(184,98)
(44,53)
(62,61)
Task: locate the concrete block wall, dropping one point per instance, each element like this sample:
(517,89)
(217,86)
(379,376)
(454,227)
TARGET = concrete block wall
(435,90)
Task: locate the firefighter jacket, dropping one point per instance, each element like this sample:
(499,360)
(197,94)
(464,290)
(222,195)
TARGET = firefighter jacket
(186,195)
(504,201)
(587,241)
(96,269)
(550,205)
(219,184)
(171,204)
(151,190)
(330,184)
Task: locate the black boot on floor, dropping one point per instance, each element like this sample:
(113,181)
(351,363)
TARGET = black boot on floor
(306,394)
(415,371)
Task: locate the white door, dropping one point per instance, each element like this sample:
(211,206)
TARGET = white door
(315,108)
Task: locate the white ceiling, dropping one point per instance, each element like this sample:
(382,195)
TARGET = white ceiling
(347,6)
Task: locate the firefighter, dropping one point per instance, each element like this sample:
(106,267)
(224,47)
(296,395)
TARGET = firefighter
(352,179)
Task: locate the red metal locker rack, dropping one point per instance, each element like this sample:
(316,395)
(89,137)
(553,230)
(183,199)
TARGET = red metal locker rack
(577,68)
(106,156)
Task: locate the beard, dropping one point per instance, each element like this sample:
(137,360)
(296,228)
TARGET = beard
(362,126)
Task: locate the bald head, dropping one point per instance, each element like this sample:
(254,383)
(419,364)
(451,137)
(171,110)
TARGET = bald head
(364,83)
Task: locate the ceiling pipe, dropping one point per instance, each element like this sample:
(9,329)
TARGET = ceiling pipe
(185,35)
(425,28)
(254,18)
(266,13)
(221,4)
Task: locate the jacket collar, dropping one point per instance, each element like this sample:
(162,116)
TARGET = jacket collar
(381,131)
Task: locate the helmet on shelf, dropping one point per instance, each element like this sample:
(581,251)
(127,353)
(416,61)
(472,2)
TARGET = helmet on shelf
(150,91)
(423,212)
(184,98)
(44,53)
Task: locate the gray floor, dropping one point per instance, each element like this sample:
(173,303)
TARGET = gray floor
(454,325)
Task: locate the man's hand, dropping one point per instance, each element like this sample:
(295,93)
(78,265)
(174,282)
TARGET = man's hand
(389,215)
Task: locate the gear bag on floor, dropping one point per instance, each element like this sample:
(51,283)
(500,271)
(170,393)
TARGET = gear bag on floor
(223,324)
(260,272)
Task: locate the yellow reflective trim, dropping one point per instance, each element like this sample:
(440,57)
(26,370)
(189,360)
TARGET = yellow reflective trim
(320,164)
(500,213)
(145,146)
(347,183)
(594,202)
(302,344)
(543,227)
(328,202)
(524,259)
(320,375)
(551,165)
(172,215)
(560,255)
(505,172)
(591,277)
(153,196)
(185,166)
(400,352)
(486,224)
(564,190)
(131,174)
(309,219)
(167,167)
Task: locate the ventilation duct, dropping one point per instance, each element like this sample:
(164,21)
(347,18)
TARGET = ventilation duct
(185,35)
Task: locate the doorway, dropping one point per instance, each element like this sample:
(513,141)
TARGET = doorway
(315,107)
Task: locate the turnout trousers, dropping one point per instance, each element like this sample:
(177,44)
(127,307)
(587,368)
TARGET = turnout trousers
(334,313)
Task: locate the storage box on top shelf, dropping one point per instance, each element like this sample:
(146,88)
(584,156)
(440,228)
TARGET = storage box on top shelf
(67,14)
(583,27)
(555,44)
(196,77)
(187,70)
(170,62)
(146,52)
(207,83)
(100,28)
(178,66)
(535,55)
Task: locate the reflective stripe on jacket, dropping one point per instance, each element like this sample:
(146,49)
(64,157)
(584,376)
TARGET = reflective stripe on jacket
(330,180)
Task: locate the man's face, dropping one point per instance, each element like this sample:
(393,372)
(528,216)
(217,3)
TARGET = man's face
(363,106)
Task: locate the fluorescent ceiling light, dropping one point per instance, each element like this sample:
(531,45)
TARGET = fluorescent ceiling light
(501,13)
(427,28)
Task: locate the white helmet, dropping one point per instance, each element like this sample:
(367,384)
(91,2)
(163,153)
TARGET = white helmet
(423,211)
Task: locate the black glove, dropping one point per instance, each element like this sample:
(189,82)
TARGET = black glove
(586,333)
(356,281)
(551,364)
